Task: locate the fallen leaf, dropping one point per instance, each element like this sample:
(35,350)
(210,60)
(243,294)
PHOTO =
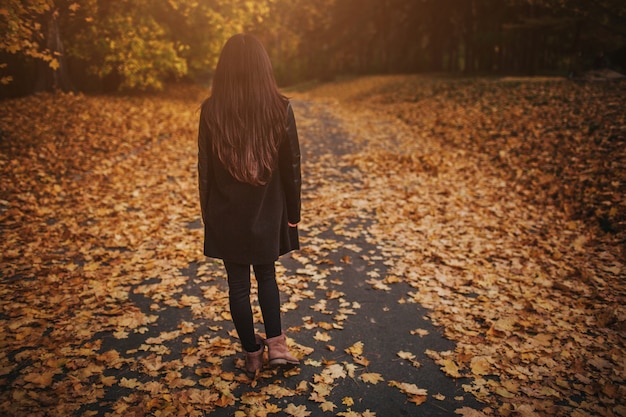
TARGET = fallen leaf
(371,377)
(297,411)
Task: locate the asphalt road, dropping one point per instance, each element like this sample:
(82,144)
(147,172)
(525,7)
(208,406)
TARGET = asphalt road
(381,323)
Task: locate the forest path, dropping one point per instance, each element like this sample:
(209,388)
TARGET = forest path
(427,279)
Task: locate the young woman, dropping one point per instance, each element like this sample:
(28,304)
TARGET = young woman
(249,181)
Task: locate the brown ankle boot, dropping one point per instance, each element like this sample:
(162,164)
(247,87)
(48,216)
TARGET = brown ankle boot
(254,360)
(278,352)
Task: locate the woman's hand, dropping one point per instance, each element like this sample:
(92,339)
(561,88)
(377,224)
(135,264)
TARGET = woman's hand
(292,225)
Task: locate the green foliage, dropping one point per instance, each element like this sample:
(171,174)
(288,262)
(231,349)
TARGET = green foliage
(132,46)
(141,44)
(200,29)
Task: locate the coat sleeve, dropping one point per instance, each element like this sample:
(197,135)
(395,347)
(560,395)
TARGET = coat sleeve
(289,164)
(205,170)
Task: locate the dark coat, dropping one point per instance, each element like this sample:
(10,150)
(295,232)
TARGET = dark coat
(244,223)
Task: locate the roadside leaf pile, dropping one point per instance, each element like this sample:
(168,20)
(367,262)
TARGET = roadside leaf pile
(557,142)
(499,206)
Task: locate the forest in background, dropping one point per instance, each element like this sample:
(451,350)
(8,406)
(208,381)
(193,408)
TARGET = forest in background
(108,45)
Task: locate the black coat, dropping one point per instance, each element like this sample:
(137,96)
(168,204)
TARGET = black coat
(244,223)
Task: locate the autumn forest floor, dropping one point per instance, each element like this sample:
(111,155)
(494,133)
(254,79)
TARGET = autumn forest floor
(464,243)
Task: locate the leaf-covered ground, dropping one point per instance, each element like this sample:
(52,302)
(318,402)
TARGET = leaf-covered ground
(497,205)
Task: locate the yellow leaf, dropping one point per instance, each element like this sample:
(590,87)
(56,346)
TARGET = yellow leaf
(361,360)
(418,399)
(278,391)
(371,377)
(450,368)
(501,391)
(129,383)
(327,406)
(332,295)
(347,401)
(202,396)
(420,332)
(54,64)
(153,387)
(351,368)
(297,411)
(356,349)
(480,365)
(335,371)
(225,401)
(409,389)
(322,336)
(505,324)
(406,355)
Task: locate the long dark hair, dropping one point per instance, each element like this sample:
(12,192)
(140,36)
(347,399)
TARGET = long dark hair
(246,113)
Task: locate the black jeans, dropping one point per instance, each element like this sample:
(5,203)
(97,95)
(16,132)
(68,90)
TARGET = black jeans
(239,298)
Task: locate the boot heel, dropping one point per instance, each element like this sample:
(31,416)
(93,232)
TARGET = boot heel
(278,352)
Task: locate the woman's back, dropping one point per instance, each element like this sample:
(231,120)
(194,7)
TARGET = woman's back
(249,159)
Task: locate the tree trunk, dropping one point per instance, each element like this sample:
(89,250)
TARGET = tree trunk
(531,51)
(574,64)
(49,78)
(436,53)
(469,39)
